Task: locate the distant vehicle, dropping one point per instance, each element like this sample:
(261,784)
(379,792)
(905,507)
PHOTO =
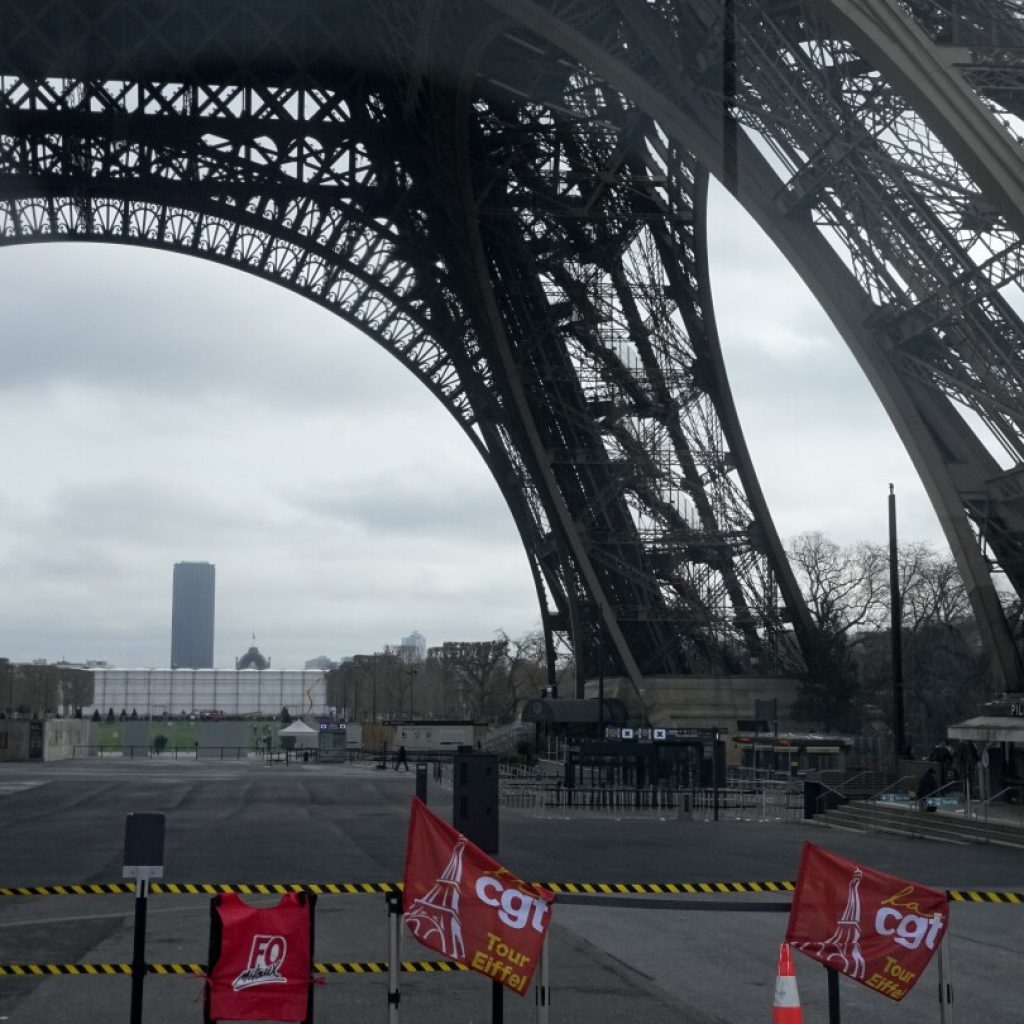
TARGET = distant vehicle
(210,715)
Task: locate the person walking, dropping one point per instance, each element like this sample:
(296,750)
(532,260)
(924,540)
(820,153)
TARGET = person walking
(401,759)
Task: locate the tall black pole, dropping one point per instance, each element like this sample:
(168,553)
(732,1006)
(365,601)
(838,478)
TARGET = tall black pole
(600,673)
(833,996)
(714,772)
(896,631)
(139,950)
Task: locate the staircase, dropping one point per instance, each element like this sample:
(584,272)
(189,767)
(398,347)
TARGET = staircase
(861,816)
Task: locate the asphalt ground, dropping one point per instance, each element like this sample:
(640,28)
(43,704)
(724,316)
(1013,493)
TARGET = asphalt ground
(63,823)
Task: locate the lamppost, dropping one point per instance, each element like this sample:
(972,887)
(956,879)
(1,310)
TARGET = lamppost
(373,683)
(411,673)
(10,686)
(896,636)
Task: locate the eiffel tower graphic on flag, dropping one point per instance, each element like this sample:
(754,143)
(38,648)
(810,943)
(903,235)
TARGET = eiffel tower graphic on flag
(842,948)
(434,918)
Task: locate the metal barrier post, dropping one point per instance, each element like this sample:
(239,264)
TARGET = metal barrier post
(497,1002)
(421,780)
(714,772)
(394,901)
(833,996)
(542,992)
(945,982)
(139,949)
(143,860)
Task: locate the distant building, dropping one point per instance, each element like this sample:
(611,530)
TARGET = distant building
(192,613)
(321,663)
(413,647)
(207,693)
(253,659)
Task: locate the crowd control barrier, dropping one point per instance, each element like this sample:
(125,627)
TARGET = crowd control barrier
(369,888)
(670,896)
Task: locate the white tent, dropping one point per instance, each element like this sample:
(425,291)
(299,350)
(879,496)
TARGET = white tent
(304,735)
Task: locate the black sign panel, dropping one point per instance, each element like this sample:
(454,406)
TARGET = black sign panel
(144,846)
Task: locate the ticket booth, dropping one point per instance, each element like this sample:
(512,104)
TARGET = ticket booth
(990,749)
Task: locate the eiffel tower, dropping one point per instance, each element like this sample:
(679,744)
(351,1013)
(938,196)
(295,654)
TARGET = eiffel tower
(842,948)
(510,197)
(434,918)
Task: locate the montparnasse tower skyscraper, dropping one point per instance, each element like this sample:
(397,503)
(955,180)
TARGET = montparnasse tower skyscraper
(192,614)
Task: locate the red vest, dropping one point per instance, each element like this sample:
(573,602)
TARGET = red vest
(261,959)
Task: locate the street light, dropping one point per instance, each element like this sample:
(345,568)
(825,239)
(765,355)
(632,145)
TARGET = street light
(411,673)
(373,678)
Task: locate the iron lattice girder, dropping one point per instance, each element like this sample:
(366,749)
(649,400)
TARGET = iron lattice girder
(569,409)
(614,370)
(907,213)
(285,161)
(891,217)
(263,199)
(212,113)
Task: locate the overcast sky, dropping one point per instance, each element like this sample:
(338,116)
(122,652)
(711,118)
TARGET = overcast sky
(157,408)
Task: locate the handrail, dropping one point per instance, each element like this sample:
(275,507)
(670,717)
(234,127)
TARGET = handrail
(821,796)
(853,778)
(844,784)
(892,785)
(945,785)
(876,801)
(1020,803)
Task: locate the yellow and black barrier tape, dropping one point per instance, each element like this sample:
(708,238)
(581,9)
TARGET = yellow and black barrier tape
(665,888)
(984,896)
(366,888)
(183,970)
(205,888)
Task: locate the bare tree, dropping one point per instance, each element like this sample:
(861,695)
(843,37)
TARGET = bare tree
(31,690)
(945,674)
(846,589)
(932,590)
(75,689)
(525,672)
(472,666)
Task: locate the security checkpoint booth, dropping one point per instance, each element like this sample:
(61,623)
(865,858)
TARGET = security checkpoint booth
(792,753)
(989,749)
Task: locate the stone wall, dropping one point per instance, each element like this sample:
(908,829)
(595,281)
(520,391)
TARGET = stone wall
(689,702)
(56,738)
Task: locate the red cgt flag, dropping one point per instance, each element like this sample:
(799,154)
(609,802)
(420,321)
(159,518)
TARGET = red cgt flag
(874,928)
(465,905)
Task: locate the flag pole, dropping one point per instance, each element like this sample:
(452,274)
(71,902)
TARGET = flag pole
(896,636)
(543,990)
(945,982)
(394,901)
(833,995)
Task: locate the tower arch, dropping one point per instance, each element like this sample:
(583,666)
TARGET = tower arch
(510,197)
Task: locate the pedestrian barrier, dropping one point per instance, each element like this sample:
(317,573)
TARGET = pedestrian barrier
(786,1008)
(107,970)
(544,798)
(369,888)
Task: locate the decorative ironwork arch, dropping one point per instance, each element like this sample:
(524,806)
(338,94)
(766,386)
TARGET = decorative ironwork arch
(507,196)
(877,143)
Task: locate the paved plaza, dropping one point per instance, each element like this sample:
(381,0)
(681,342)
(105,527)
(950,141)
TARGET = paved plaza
(245,822)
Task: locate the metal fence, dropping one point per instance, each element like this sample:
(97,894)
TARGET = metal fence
(763,800)
(196,752)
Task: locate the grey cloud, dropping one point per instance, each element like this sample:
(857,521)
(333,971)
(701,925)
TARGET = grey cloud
(436,506)
(175,327)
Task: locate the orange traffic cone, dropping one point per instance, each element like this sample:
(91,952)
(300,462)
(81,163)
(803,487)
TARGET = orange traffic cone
(786,1007)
